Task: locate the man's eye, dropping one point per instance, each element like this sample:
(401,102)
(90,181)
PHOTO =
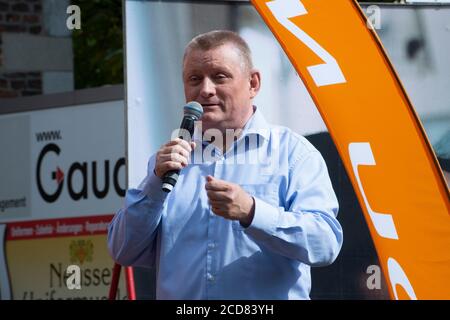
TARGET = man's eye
(194,78)
(221,77)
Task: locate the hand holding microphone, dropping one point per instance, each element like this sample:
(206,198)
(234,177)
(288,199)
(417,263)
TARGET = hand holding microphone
(174,155)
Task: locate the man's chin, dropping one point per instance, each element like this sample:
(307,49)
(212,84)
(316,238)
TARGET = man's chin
(210,122)
(209,117)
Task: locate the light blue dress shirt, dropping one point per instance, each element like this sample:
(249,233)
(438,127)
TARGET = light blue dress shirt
(199,255)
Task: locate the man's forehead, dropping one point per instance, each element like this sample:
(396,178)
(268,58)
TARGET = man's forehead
(222,55)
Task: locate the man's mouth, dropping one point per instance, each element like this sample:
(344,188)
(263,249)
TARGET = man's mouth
(210,105)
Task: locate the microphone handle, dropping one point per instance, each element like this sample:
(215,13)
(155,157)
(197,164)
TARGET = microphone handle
(171,177)
(169,180)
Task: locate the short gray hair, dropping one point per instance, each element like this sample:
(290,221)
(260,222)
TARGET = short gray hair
(217,38)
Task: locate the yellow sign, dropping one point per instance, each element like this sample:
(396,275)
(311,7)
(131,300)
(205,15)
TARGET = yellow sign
(50,266)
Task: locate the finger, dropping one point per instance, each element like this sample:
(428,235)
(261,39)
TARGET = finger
(223,206)
(218,210)
(220,204)
(180,142)
(218,196)
(171,142)
(182,150)
(176,149)
(175,157)
(184,144)
(214,184)
(167,166)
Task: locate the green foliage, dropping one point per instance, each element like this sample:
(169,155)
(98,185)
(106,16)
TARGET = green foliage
(98,45)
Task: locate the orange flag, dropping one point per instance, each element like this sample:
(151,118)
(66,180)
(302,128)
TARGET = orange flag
(379,137)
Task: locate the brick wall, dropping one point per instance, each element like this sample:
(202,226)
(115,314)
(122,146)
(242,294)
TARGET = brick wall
(23,16)
(20,84)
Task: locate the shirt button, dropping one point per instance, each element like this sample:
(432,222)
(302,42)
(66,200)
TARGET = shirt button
(211,245)
(210,277)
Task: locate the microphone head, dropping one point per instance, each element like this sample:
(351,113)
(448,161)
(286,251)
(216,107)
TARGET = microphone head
(194,109)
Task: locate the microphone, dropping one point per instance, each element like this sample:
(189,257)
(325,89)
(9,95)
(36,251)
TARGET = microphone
(193,111)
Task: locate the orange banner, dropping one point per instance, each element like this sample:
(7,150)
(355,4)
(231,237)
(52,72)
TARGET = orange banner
(379,137)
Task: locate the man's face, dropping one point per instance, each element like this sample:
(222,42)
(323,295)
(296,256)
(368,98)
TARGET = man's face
(220,82)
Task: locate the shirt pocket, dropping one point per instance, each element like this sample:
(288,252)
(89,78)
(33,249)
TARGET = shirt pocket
(267,192)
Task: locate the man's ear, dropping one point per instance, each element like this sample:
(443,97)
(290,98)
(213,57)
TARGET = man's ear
(255,83)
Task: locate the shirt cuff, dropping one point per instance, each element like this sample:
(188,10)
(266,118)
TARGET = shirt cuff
(153,188)
(264,220)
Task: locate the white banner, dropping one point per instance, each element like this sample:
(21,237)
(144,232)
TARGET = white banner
(65,162)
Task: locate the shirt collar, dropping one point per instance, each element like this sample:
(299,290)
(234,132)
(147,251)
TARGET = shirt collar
(257,124)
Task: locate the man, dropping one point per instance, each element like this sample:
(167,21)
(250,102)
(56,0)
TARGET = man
(230,229)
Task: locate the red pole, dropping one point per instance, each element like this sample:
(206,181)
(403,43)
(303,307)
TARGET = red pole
(130,283)
(114,281)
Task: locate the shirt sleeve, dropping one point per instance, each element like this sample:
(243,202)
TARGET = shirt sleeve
(306,229)
(132,232)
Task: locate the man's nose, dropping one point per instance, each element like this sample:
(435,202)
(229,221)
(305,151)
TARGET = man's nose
(208,88)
